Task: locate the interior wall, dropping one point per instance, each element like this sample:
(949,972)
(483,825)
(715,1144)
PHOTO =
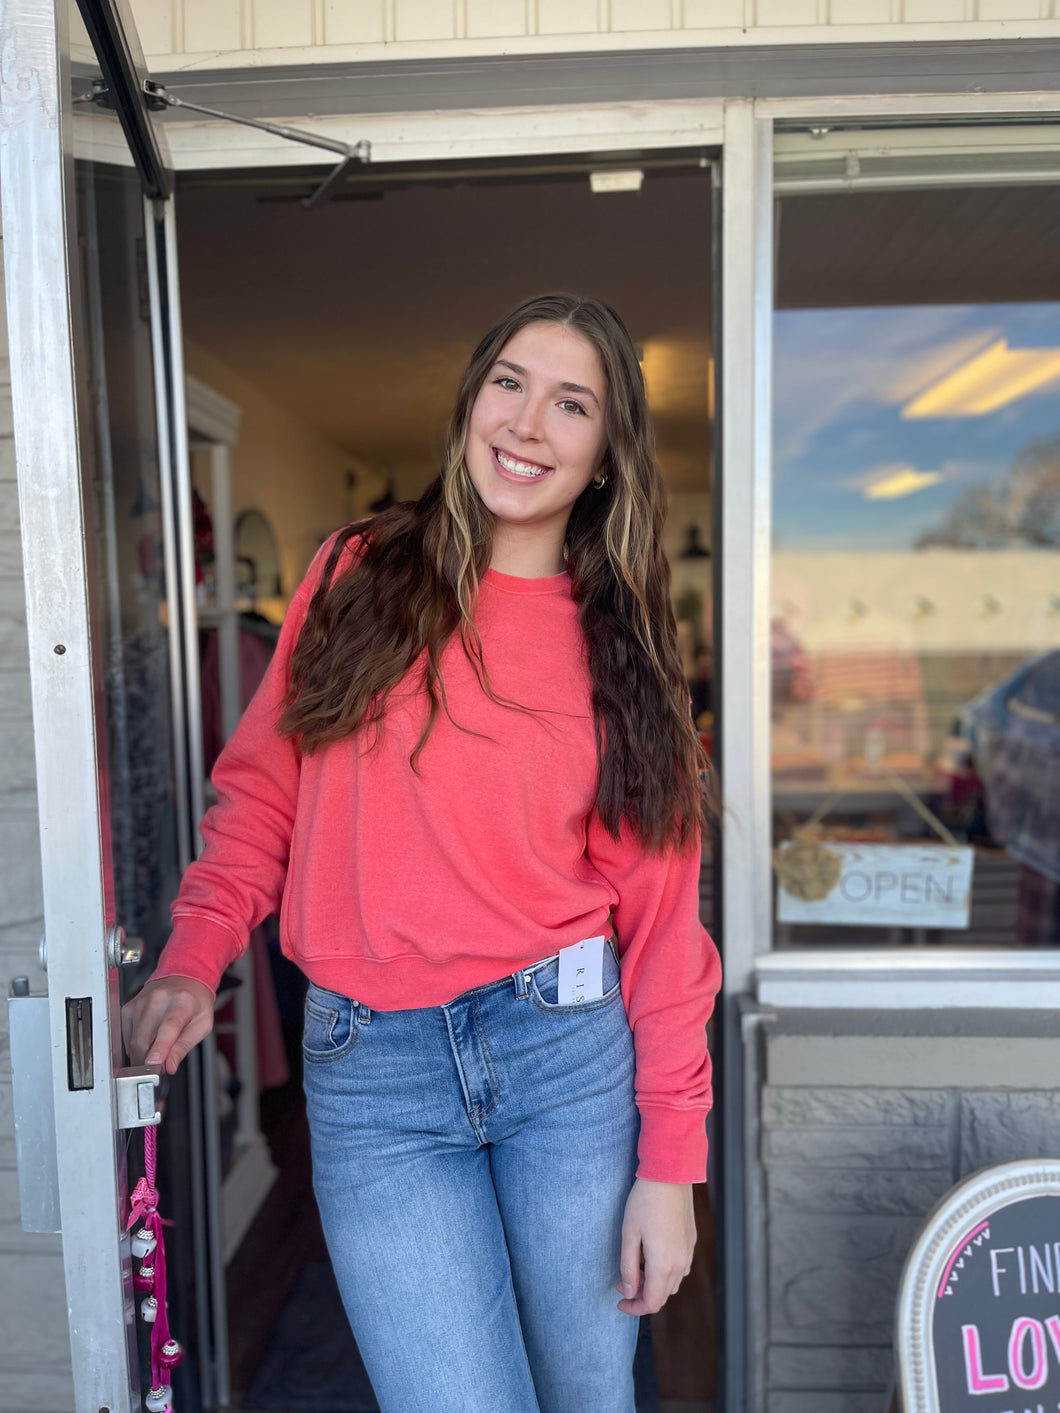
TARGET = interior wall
(290,472)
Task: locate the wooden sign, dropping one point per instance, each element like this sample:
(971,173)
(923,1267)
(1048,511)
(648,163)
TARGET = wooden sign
(874,885)
(978,1328)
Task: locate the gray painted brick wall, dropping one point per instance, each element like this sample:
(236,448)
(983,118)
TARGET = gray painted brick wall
(34,1341)
(849,1174)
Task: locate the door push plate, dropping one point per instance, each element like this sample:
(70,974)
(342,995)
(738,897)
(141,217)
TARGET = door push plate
(135,1097)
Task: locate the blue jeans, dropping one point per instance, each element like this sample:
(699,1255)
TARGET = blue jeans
(471,1163)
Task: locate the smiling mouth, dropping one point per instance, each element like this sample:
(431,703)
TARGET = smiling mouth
(530,469)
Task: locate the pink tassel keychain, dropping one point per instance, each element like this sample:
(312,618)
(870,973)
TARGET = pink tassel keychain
(150,1279)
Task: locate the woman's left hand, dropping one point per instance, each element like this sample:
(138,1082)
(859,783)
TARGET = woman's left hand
(659,1225)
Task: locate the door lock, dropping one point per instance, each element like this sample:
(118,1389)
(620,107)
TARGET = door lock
(123,951)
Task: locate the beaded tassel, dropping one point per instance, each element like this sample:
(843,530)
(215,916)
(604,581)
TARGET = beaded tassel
(149,1249)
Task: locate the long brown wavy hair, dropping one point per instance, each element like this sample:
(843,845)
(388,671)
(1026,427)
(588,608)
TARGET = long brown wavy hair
(415,577)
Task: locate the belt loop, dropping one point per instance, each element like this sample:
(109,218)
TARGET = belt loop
(364,1014)
(521,989)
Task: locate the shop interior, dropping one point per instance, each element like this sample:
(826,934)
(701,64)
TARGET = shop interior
(333,336)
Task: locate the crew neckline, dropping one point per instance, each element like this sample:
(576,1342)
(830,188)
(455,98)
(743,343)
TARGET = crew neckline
(516,584)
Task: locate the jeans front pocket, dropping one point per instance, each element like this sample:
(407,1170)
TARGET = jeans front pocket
(331,1027)
(544,986)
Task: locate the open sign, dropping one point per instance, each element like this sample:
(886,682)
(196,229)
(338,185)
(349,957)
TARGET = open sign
(882,885)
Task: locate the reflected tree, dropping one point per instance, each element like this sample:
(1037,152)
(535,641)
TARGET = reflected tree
(1024,510)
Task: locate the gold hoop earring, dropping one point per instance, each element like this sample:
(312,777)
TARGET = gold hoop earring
(600,481)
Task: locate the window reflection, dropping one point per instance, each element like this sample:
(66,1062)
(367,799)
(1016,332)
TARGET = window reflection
(916,573)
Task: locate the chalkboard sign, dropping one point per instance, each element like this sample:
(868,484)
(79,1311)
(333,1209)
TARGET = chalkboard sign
(979,1309)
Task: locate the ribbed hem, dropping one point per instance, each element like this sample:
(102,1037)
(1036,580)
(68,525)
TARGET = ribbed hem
(513,584)
(200,949)
(673,1144)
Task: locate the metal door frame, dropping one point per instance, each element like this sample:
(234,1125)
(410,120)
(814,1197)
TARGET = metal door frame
(43,275)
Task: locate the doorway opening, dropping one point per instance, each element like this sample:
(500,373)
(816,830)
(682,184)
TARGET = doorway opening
(340,332)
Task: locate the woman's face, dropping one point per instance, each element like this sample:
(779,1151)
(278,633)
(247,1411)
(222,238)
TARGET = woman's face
(536,435)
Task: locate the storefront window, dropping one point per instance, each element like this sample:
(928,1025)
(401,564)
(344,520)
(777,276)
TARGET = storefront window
(916,561)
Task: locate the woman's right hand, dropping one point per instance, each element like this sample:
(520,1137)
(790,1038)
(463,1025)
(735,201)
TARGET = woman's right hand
(165,1020)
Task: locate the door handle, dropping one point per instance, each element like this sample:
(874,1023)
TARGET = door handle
(123,951)
(137,1096)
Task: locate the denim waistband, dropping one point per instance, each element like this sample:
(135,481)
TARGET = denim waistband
(542,963)
(518,979)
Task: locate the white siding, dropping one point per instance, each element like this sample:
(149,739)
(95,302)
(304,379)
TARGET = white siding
(34,1340)
(496,19)
(236,33)
(419,20)
(282,24)
(205,24)
(366,24)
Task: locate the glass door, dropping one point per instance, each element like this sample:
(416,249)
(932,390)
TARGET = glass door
(97,393)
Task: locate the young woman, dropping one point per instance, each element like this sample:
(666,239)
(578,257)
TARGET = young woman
(471,784)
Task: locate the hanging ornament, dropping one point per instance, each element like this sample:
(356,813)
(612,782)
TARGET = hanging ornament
(149,1248)
(171,1353)
(143,1242)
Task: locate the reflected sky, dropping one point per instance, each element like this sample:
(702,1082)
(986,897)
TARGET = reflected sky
(850,471)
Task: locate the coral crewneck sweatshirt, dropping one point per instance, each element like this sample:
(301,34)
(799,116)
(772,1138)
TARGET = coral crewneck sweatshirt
(405,888)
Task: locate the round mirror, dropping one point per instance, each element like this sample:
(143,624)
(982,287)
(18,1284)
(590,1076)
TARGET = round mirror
(257,558)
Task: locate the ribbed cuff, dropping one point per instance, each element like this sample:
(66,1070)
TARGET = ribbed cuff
(673,1144)
(199,948)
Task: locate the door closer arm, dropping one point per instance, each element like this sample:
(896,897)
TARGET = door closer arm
(159,97)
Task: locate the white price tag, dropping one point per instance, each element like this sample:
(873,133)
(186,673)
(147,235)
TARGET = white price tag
(581,972)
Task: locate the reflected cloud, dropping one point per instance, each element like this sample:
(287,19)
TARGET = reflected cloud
(991,379)
(934,364)
(843,380)
(830,362)
(893,482)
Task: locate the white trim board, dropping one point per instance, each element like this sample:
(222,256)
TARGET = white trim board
(938,978)
(562,128)
(443,137)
